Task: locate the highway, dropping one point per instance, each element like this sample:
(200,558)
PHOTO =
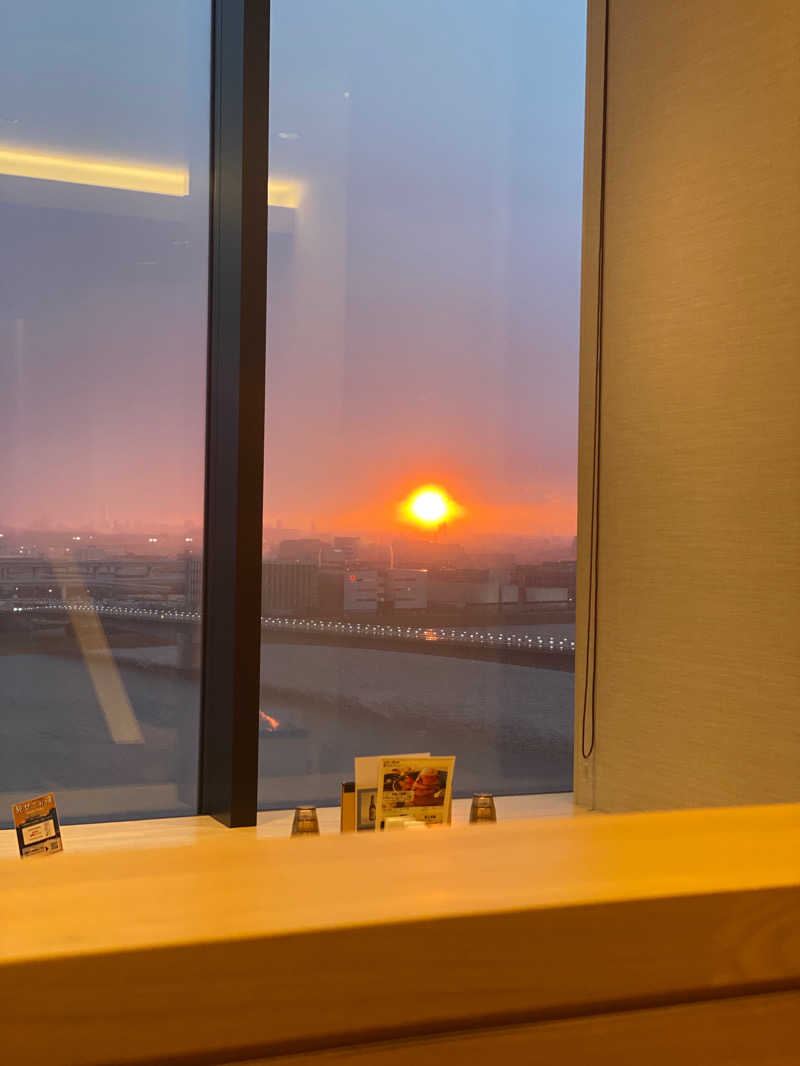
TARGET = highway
(524,649)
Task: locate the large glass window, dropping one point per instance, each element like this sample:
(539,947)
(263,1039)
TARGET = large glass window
(422,352)
(104,116)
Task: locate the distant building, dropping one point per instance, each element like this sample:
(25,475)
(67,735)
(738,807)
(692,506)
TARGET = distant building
(492,560)
(380,556)
(22,578)
(344,552)
(426,554)
(302,550)
(193,565)
(349,546)
(90,554)
(549,575)
(334,558)
(289,587)
(540,594)
(462,588)
(141,578)
(349,591)
(405,589)
(361,590)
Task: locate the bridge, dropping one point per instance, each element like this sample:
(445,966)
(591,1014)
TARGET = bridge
(548,652)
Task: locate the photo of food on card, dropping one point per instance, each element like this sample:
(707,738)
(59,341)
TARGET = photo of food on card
(416,788)
(366,778)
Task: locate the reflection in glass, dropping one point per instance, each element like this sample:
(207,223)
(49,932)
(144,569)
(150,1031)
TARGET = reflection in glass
(104,214)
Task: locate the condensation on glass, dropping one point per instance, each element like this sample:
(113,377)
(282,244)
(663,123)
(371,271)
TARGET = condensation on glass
(423,308)
(104,116)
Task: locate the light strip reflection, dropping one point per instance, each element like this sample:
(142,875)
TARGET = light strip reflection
(77,170)
(282,193)
(161,181)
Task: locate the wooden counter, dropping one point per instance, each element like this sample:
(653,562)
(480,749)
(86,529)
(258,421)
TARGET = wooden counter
(237,947)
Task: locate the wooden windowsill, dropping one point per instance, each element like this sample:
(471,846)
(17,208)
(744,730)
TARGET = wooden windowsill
(194,829)
(244,944)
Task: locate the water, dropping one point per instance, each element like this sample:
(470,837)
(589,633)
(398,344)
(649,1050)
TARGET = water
(510,727)
(54,737)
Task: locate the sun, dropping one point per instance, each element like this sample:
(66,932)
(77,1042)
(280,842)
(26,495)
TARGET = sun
(429,506)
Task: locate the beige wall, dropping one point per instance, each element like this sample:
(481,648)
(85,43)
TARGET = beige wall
(698,538)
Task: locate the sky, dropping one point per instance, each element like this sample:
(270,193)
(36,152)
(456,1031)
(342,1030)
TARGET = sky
(422,312)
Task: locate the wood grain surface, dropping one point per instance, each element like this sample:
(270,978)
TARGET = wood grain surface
(244,946)
(194,829)
(756,1031)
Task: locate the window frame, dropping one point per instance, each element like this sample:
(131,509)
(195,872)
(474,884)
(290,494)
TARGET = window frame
(237,305)
(235,417)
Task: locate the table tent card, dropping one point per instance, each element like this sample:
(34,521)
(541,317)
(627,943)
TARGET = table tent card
(366,778)
(419,788)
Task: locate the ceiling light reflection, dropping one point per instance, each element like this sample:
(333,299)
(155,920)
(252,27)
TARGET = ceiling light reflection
(80,170)
(282,193)
(132,177)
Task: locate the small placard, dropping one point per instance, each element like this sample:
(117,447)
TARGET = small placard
(366,777)
(36,822)
(419,789)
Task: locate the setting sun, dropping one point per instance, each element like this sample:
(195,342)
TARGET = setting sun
(429,506)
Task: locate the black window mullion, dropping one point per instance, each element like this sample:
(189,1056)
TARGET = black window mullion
(235,411)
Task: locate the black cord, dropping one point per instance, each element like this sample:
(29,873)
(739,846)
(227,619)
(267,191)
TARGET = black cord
(589,709)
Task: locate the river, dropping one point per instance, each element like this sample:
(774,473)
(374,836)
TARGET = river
(510,727)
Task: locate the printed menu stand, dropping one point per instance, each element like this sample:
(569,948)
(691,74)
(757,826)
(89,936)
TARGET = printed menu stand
(38,830)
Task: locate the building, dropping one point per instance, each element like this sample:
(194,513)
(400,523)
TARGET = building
(90,554)
(405,589)
(361,590)
(350,547)
(137,578)
(464,588)
(349,591)
(289,587)
(344,552)
(424,554)
(193,565)
(492,560)
(542,594)
(548,575)
(332,558)
(301,550)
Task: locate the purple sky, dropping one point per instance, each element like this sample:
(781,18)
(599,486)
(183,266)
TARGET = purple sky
(423,312)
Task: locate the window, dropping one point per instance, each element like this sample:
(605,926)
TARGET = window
(422,352)
(104,213)
(418,575)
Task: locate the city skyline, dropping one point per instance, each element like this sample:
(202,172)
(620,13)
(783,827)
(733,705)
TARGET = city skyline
(158,540)
(553,517)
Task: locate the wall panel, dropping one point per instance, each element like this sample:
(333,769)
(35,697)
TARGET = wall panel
(698,675)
